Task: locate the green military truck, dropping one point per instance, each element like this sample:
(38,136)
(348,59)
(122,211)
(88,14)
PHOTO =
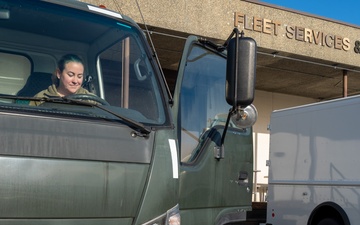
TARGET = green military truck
(124,152)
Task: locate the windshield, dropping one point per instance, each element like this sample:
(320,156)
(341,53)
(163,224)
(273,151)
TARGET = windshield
(116,72)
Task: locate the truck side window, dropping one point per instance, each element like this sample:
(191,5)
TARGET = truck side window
(14,71)
(128,81)
(202,97)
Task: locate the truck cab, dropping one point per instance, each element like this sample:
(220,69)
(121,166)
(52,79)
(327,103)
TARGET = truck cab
(66,159)
(119,153)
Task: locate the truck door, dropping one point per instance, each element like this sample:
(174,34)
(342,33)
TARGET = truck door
(213,190)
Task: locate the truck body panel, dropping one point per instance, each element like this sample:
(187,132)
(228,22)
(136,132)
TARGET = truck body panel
(314,151)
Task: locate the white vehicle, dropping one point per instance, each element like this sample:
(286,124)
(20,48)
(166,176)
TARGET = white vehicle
(314,164)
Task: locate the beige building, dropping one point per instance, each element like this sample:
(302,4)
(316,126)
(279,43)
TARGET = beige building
(301,59)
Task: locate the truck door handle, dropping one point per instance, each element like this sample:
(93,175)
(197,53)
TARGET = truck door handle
(243,175)
(243,180)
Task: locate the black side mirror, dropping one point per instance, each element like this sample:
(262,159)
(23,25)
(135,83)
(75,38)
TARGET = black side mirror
(240,71)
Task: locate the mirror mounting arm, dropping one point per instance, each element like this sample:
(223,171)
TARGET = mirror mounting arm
(219,151)
(240,83)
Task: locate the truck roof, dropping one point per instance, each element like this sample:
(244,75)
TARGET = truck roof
(69,7)
(89,7)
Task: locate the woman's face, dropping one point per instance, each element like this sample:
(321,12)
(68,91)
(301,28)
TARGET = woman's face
(70,78)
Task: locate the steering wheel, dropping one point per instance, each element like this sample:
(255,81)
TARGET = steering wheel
(88,97)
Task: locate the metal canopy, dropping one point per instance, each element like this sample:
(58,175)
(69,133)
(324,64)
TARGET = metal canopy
(276,71)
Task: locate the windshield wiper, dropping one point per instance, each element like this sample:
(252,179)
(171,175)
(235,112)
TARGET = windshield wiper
(132,123)
(139,126)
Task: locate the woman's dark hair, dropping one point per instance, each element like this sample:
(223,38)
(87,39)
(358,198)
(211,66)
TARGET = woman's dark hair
(62,62)
(68,58)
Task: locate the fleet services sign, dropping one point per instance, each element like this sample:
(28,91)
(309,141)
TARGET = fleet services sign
(297,33)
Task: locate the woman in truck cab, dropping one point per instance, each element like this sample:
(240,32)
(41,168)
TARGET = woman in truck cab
(68,79)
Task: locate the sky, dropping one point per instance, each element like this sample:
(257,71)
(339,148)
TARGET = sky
(347,11)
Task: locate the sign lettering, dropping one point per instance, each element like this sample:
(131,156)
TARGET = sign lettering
(297,33)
